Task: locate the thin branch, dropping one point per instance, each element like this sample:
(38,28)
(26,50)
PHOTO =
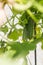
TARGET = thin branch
(7,21)
(32,16)
(30,61)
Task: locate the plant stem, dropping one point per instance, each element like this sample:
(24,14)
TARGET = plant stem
(38,6)
(35,58)
(35,38)
(30,61)
(32,16)
(7,21)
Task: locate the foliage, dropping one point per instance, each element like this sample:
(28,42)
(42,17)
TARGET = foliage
(30,31)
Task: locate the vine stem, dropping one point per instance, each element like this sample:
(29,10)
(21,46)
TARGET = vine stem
(35,58)
(32,16)
(25,61)
(30,61)
(7,21)
(38,6)
(35,48)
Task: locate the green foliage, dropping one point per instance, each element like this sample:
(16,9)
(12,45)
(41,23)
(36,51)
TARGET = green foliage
(22,49)
(31,31)
(3,48)
(24,19)
(15,34)
(4,29)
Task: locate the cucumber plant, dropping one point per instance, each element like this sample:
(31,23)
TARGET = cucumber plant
(30,30)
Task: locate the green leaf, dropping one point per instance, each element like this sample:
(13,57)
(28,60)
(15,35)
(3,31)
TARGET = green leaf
(24,19)
(22,49)
(4,29)
(40,1)
(38,32)
(19,32)
(15,34)
(3,50)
